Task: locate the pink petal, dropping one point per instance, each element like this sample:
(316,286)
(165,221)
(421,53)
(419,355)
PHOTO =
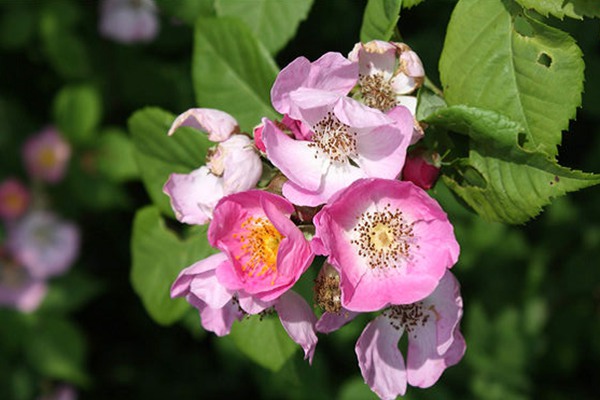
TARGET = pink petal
(380,361)
(220,320)
(181,286)
(251,304)
(218,124)
(294,158)
(330,322)
(298,320)
(332,72)
(194,195)
(425,365)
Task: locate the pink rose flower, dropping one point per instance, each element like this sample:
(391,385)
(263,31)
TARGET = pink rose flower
(129,21)
(263,255)
(348,141)
(232,166)
(434,342)
(389,241)
(389,73)
(14,199)
(46,155)
(44,244)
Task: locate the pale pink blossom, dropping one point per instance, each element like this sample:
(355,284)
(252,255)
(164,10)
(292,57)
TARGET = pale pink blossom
(434,342)
(46,155)
(232,166)
(347,141)
(61,392)
(129,21)
(17,288)
(14,199)
(44,244)
(332,73)
(389,73)
(389,241)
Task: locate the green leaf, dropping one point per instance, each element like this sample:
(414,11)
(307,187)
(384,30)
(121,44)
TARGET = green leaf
(564,8)
(274,22)
(64,48)
(159,155)
(380,19)
(115,157)
(77,112)
(264,341)
(502,180)
(232,71)
(56,348)
(17,25)
(158,256)
(187,10)
(411,3)
(496,58)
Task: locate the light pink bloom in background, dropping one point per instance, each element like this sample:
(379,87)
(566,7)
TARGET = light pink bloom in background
(348,141)
(332,73)
(46,155)
(17,289)
(232,166)
(434,342)
(263,255)
(44,244)
(14,199)
(129,21)
(389,73)
(61,392)
(421,168)
(389,241)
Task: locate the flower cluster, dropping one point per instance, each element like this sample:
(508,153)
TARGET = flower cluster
(338,200)
(38,245)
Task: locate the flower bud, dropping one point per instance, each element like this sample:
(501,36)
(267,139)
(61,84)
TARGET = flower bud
(421,168)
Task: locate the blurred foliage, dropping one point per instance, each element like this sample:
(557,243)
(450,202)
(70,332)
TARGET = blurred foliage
(531,293)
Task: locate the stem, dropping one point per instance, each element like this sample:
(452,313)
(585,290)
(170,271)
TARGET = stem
(431,86)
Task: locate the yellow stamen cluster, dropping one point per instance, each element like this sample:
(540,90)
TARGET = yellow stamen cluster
(383,237)
(334,139)
(260,243)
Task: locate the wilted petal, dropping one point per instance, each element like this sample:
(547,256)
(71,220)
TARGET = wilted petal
(380,360)
(218,124)
(194,195)
(242,166)
(298,321)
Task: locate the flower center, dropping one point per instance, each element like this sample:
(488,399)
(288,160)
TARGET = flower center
(259,245)
(47,157)
(383,238)
(409,316)
(334,139)
(377,92)
(327,290)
